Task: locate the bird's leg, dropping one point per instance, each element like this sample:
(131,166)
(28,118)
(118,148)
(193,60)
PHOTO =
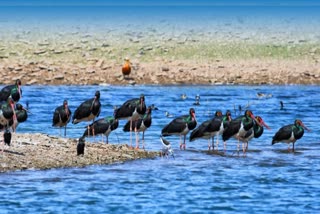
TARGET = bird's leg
(293,147)
(184,142)
(107,139)
(143,140)
(137,137)
(180,143)
(59,131)
(217,143)
(238,147)
(209,146)
(93,134)
(65,130)
(224,146)
(212,143)
(130,133)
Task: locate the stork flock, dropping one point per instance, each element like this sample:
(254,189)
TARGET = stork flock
(139,119)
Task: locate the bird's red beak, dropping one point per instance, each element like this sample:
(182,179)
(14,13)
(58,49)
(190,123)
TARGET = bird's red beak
(306,128)
(262,123)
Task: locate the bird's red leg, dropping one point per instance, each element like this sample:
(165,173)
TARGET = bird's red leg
(131,133)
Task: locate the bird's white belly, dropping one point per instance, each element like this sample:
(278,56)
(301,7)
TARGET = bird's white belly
(3,120)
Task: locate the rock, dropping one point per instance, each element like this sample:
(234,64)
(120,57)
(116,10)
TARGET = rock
(58,77)
(100,63)
(31,82)
(38,52)
(165,68)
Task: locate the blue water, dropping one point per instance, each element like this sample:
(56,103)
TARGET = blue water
(269,179)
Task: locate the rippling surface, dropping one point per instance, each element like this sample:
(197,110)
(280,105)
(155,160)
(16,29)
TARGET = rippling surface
(269,179)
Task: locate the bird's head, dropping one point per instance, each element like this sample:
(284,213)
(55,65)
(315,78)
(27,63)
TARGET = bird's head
(218,113)
(298,122)
(228,114)
(97,95)
(192,113)
(260,122)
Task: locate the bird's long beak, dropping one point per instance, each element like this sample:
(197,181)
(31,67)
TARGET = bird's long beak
(12,107)
(264,124)
(26,110)
(306,128)
(194,116)
(19,89)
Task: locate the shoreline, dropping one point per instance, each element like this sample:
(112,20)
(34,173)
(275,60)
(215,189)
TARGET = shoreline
(41,151)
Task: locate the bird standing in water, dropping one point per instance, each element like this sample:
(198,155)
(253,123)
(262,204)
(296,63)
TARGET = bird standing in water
(126,68)
(11,90)
(181,126)
(132,110)
(211,128)
(62,116)
(290,133)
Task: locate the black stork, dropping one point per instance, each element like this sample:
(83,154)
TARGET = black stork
(141,125)
(21,116)
(290,133)
(238,127)
(211,128)
(131,110)
(11,90)
(103,126)
(62,116)
(88,110)
(255,132)
(181,126)
(7,113)
(80,146)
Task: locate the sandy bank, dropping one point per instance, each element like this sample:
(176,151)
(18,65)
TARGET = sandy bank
(40,151)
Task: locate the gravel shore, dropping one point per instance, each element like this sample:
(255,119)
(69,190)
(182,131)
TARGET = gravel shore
(41,151)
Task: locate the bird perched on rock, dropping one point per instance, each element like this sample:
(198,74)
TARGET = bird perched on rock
(126,68)
(290,133)
(62,116)
(102,126)
(88,110)
(131,110)
(181,126)
(141,125)
(11,90)
(80,146)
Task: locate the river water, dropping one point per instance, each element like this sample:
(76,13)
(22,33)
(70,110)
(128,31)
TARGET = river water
(269,179)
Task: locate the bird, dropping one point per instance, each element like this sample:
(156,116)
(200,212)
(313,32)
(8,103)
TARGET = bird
(290,133)
(14,91)
(141,125)
(21,116)
(281,105)
(126,68)
(238,127)
(131,110)
(62,116)
(80,146)
(183,96)
(181,126)
(7,112)
(211,128)
(7,137)
(103,126)
(166,147)
(255,132)
(88,110)
(197,100)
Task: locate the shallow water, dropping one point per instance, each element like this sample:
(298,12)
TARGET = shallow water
(269,179)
